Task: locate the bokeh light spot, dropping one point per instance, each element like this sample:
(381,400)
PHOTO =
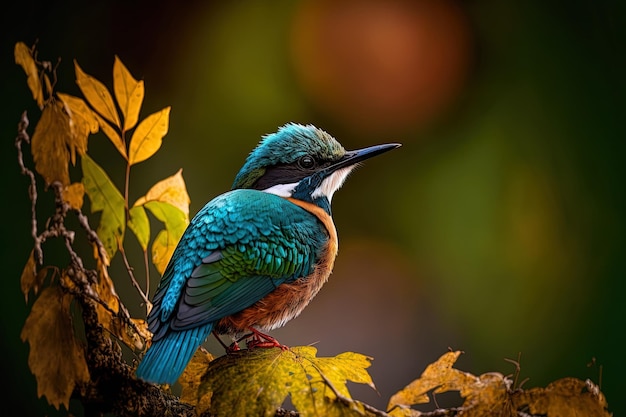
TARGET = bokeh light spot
(381,65)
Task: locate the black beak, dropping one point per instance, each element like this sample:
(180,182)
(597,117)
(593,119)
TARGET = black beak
(359,155)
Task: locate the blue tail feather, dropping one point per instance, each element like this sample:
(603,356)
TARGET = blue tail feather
(167,358)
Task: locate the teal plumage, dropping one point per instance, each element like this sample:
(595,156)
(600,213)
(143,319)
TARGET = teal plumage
(252,258)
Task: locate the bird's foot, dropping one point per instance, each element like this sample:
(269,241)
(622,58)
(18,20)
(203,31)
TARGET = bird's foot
(262,340)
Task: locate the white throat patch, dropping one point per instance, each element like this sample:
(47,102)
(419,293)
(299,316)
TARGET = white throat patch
(332,183)
(282,190)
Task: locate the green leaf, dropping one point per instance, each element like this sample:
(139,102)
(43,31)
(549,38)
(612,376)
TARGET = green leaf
(140,225)
(257,382)
(175,222)
(105,197)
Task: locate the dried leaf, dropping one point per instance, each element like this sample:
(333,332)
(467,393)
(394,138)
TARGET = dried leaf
(484,395)
(83,122)
(104,197)
(24,58)
(50,144)
(105,288)
(32,280)
(170,190)
(256,382)
(567,397)
(191,378)
(148,136)
(175,222)
(56,358)
(73,195)
(97,95)
(128,92)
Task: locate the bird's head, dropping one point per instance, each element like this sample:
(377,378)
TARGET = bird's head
(302,162)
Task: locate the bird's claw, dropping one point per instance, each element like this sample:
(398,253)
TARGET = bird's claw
(262,340)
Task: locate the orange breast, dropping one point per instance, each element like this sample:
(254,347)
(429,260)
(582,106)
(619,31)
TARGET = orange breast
(288,300)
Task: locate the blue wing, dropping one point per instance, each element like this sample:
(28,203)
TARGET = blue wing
(236,250)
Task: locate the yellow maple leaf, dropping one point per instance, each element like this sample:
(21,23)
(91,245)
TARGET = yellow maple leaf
(257,381)
(484,395)
(56,357)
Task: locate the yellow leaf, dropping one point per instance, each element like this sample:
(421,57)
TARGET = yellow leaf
(170,190)
(97,95)
(31,279)
(24,58)
(83,122)
(113,136)
(105,288)
(484,395)
(175,222)
(257,381)
(73,195)
(128,92)
(50,143)
(566,397)
(105,197)
(191,378)
(148,136)
(56,358)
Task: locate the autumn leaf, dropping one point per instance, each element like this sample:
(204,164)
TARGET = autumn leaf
(148,136)
(73,195)
(491,394)
(113,135)
(24,58)
(31,279)
(484,395)
(97,95)
(171,190)
(128,92)
(104,197)
(83,122)
(175,222)
(56,358)
(566,397)
(257,382)
(191,378)
(51,144)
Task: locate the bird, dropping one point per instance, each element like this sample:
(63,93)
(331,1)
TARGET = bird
(253,257)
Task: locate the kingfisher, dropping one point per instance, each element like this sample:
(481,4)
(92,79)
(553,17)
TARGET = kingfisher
(252,258)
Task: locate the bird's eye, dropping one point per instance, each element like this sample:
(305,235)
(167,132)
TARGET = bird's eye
(306,162)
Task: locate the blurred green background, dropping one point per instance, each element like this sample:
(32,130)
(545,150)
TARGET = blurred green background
(498,228)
